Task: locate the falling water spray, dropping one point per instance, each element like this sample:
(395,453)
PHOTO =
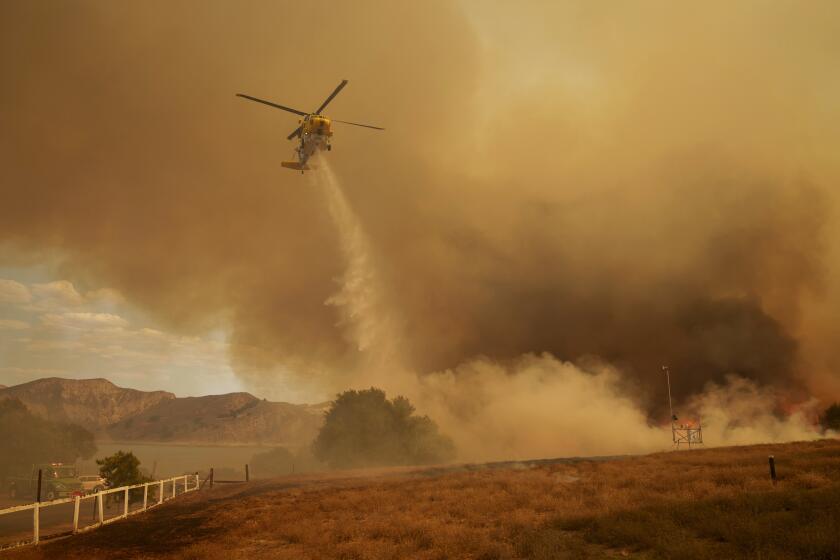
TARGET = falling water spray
(365,317)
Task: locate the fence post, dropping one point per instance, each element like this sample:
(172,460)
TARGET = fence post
(247,473)
(160,493)
(145,496)
(125,505)
(772,461)
(38,494)
(76,514)
(36,523)
(173,486)
(211,477)
(101,508)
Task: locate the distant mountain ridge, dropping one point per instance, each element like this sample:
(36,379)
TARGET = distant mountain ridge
(118,414)
(92,403)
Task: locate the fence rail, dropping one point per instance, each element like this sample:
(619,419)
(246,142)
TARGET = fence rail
(188,483)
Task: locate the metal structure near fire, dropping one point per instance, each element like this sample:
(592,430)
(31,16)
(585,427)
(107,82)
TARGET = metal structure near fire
(685,433)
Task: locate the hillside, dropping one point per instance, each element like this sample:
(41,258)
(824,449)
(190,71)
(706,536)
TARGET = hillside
(92,403)
(118,414)
(702,504)
(235,417)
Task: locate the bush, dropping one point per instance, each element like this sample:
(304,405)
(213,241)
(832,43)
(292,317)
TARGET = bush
(28,440)
(121,469)
(364,428)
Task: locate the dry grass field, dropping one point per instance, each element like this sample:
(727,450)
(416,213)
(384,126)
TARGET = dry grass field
(712,503)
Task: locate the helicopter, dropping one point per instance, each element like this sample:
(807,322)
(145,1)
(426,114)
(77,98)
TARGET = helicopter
(314,130)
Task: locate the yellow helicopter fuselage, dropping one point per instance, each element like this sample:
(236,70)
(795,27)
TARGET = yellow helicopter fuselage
(315,134)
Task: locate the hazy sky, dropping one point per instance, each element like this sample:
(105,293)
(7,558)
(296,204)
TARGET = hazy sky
(51,328)
(628,183)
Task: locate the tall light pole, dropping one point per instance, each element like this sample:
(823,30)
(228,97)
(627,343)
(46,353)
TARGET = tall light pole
(670,405)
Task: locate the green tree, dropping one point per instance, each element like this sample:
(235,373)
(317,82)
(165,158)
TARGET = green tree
(830,420)
(121,469)
(28,439)
(364,428)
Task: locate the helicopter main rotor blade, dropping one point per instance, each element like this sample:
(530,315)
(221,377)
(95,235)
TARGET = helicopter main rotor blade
(295,133)
(270,104)
(330,98)
(357,124)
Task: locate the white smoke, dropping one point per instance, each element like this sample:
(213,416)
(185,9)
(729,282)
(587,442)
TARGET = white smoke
(740,412)
(540,406)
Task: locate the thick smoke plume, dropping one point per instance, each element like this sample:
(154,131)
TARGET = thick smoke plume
(621,185)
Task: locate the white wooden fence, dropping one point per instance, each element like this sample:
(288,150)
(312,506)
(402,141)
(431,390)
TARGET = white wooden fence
(190,483)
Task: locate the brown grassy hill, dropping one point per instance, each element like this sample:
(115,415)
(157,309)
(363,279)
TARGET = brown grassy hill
(232,418)
(91,403)
(700,504)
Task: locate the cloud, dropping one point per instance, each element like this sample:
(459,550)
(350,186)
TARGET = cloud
(107,295)
(83,320)
(62,345)
(14,375)
(13,325)
(59,295)
(13,292)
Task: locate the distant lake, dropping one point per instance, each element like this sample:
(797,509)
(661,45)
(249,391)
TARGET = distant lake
(170,459)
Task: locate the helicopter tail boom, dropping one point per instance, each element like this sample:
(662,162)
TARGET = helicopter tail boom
(296,165)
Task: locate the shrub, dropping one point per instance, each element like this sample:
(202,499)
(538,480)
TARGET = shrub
(364,428)
(121,469)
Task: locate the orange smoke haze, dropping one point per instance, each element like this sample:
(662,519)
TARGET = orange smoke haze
(631,184)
